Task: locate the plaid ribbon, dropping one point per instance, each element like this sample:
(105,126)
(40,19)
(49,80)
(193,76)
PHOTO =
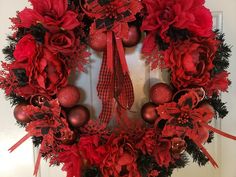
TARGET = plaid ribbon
(114,85)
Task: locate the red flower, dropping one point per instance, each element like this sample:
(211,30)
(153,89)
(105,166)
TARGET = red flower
(162,152)
(219,83)
(25,51)
(48,72)
(190,62)
(52,14)
(90,149)
(184,117)
(71,160)
(120,159)
(180,14)
(63,42)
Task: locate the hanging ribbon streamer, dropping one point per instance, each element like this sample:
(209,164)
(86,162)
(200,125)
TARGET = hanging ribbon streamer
(114,81)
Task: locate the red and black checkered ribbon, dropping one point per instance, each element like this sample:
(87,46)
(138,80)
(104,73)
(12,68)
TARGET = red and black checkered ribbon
(114,83)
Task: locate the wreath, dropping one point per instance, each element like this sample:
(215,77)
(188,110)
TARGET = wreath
(50,42)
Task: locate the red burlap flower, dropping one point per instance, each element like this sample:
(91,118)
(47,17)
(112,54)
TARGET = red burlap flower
(191,62)
(120,159)
(52,14)
(180,14)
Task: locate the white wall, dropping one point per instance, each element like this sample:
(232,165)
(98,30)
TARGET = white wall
(228,153)
(20,163)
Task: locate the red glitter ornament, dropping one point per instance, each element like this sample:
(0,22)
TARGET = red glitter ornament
(134,36)
(78,116)
(20,115)
(69,96)
(178,146)
(38,100)
(161,93)
(98,42)
(149,113)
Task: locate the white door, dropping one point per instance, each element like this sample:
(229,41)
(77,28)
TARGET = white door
(21,162)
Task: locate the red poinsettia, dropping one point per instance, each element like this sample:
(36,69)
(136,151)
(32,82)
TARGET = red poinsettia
(52,14)
(180,14)
(184,118)
(120,159)
(112,15)
(191,61)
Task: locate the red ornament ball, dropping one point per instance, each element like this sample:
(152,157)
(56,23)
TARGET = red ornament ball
(20,115)
(134,36)
(38,100)
(178,146)
(98,42)
(149,113)
(161,93)
(78,116)
(68,96)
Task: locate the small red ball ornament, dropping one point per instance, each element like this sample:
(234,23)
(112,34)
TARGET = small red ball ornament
(20,115)
(78,116)
(98,42)
(134,36)
(68,96)
(149,113)
(161,93)
(178,146)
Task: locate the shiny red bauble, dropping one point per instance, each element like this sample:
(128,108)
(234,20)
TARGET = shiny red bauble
(98,42)
(134,36)
(38,100)
(149,113)
(68,96)
(161,93)
(20,115)
(78,116)
(178,146)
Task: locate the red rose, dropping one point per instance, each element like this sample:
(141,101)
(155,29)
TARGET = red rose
(63,42)
(181,14)
(190,62)
(121,158)
(48,72)
(52,14)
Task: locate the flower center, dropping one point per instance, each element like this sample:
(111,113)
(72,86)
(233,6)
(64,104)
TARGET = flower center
(111,11)
(183,119)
